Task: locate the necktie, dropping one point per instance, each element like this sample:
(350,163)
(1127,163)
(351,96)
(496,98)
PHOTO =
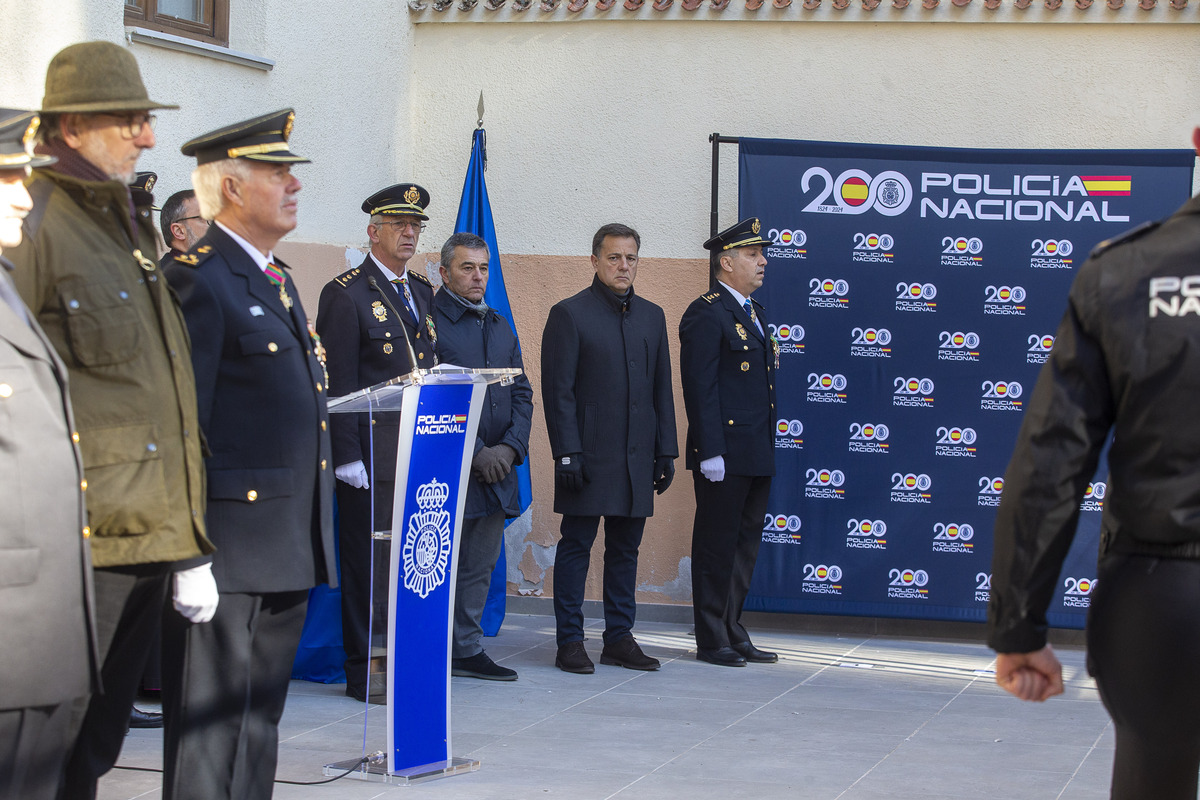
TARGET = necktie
(402,282)
(275,275)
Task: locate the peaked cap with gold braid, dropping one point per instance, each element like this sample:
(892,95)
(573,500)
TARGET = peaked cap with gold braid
(263,138)
(408,199)
(744,234)
(17,128)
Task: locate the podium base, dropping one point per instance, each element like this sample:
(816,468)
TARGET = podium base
(377,770)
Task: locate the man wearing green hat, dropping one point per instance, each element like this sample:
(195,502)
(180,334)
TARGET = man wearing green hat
(86,271)
(47,632)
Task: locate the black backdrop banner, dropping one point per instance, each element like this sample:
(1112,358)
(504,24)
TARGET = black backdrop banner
(914,293)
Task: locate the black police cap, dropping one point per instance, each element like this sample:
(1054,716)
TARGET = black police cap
(403,198)
(263,138)
(17,129)
(743,234)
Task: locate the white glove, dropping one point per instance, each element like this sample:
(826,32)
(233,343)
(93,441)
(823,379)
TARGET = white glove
(196,593)
(713,468)
(354,474)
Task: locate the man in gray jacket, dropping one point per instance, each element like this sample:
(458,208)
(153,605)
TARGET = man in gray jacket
(610,414)
(471,334)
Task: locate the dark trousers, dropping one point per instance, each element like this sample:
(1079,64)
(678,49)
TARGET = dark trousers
(225,683)
(129,604)
(33,751)
(478,551)
(355,545)
(622,537)
(1143,636)
(725,538)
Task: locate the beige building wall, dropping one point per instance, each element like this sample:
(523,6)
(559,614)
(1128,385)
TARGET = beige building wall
(598,117)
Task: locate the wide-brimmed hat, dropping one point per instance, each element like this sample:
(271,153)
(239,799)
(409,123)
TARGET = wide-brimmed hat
(95,77)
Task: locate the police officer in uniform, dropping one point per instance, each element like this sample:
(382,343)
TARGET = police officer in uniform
(367,319)
(727,362)
(1126,360)
(261,394)
(48,654)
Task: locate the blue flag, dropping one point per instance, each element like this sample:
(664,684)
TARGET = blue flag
(475,216)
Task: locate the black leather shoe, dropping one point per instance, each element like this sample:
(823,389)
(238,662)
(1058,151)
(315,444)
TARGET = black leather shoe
(626,653)
(145,719)
(573,658)
(748,651)
(722,657)
(378,694)
(481,666)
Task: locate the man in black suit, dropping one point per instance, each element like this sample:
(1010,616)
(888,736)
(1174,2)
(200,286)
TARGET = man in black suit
(727,362)
(261,393)
(367,343)
(610,413)
(181,224)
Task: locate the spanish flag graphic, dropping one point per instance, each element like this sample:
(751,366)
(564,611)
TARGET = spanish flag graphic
(1107,185)
(460,417)
(855,191)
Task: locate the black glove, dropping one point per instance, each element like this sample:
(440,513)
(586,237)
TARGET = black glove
(569,473)
(664,473)
(492,464)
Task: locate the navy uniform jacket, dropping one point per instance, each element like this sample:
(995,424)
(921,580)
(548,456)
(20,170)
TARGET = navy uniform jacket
(465,340)
(1126,360)
(261,395)
(728,374)
(364,345)
(47,637)
(606,388)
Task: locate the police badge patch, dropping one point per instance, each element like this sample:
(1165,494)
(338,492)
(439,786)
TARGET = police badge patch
(427,542)
(379,311)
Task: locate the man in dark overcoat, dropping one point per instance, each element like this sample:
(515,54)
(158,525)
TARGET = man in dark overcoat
(727,362)
(471,334)
(610,413)
(261,395)
(368,317)
(48,654)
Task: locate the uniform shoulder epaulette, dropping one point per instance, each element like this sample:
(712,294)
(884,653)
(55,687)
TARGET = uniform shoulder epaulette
(197,256)
(420,276)
(711,297)
(1127,236)
(349,276)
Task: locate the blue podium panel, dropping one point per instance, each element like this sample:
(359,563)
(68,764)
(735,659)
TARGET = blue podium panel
(915,294)
(426,525)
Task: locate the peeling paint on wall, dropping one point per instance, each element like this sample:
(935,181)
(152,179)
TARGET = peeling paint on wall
(679,589)
(527,561)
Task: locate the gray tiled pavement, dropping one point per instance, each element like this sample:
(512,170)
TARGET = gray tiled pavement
(854,717)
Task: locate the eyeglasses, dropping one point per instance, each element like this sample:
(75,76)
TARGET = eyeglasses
(402,226)
(132,125)
(206,222)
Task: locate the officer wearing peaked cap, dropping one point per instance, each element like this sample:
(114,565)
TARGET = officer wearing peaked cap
(262,400)
(727,364)
(367,318)
(47,634)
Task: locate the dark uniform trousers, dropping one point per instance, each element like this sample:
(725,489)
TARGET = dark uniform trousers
(355,545)
(622,538)
(725,540)
(236,669)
